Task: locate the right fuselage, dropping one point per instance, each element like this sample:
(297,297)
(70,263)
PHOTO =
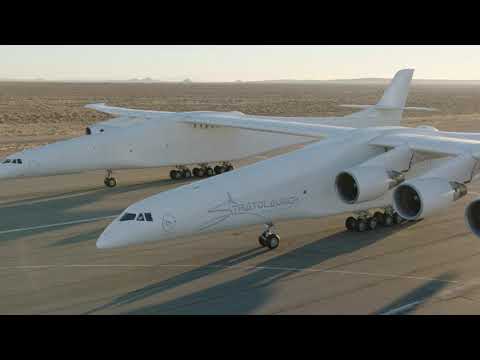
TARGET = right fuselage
(297,185)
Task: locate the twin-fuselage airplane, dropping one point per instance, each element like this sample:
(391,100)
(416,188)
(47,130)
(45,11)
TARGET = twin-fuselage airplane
(366,164)
(372,167)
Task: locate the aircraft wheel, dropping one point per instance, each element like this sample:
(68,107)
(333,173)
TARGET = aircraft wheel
(362,225)
(380,217)
(173,174)
(397,219)
(372,223)
(187,174)
(273,240)
(229,168)
(261,240)
(218,169)
(210,171)
(111,182)
(388,220)
(200,172)
(350,223)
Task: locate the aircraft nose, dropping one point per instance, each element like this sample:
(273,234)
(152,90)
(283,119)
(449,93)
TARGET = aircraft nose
(105,241)
(130,228)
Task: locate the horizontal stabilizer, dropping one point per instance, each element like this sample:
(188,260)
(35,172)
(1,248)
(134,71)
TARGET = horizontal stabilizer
(380,107)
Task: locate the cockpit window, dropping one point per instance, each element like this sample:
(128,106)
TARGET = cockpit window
(14,161)
(128,217)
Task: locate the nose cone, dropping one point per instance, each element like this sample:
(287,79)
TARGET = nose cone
(131,228)
(117,235)
(8,171)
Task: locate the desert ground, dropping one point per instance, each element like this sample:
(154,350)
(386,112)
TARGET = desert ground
(430,267)
(33,113)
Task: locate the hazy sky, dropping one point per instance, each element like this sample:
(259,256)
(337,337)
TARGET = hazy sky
(230,63)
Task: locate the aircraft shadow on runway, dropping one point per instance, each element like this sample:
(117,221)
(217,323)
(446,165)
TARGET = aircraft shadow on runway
(181,279)
(246,294)
(417,297)
(57,208)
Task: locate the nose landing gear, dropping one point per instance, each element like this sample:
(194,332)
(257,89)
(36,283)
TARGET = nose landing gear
(109,180)
(268,238)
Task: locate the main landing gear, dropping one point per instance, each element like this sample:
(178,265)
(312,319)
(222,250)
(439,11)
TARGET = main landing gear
(110,181)
(268,238)
(365,222)
(182,172)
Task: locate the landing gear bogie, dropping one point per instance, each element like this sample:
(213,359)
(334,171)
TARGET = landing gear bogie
(365,223)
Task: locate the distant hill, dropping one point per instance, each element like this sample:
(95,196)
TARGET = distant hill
(372,81)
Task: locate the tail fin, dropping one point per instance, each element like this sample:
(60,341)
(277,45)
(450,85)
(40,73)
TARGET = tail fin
(395,95)
(389,110)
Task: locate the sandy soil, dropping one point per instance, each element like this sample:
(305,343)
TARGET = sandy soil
(36,113)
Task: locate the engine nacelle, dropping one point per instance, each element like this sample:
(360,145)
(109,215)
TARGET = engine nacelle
(421,197)
(99,129)
(92,130)
(472,216)
(365,183)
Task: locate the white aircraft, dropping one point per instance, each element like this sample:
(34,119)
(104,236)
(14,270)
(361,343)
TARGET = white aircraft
(148,139)
(383,174)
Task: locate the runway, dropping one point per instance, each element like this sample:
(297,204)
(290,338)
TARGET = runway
(50,265)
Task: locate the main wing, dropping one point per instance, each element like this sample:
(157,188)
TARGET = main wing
(118,111)
(240,121)
(441,144)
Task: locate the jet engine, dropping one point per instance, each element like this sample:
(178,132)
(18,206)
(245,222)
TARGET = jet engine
(365,183)
(423,196)
(472,216)
(373,178)
(435,190)
(91,130)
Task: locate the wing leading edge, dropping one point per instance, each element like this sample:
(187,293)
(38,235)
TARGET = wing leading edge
(246,122)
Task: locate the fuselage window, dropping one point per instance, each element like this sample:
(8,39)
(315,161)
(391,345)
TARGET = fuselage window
(128,217)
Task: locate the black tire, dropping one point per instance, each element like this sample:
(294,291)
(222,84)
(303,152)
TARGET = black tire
(173,176)
(209,171)
(200,172)
(261,240)
(351,223)
(380,217)
(273,240)
(229,168)
(388,220)
(218,169)
(195,172)
(361,226)
(187,174)
(105,181)
(111,182)
(372,223)
(397,219)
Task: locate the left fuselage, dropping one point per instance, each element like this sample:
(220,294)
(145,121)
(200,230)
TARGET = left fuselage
(165,142)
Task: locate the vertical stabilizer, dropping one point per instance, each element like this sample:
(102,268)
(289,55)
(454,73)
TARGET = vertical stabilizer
(395,95)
